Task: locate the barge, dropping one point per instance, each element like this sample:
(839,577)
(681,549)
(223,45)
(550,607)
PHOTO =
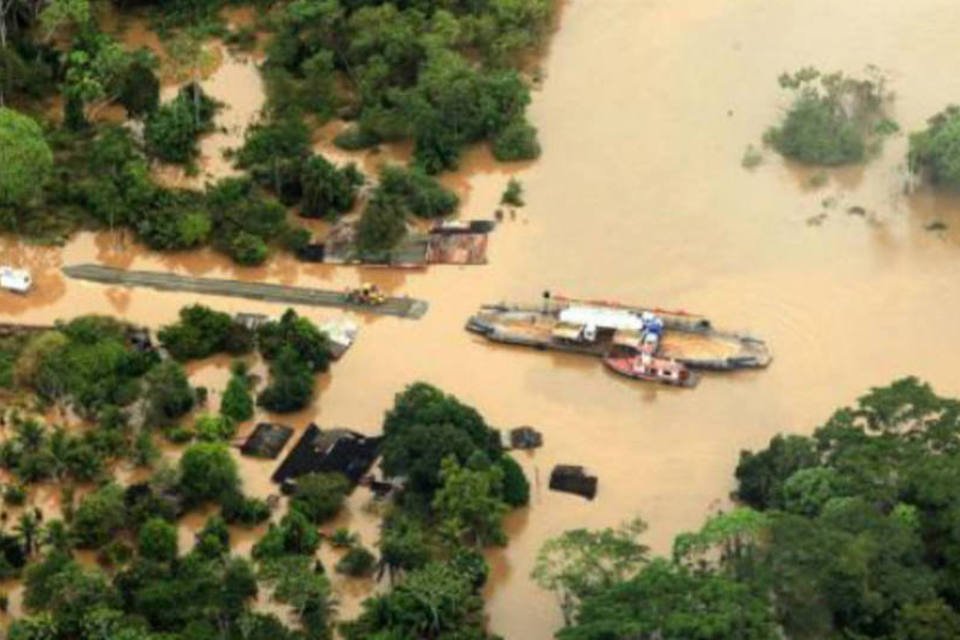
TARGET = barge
(608,330)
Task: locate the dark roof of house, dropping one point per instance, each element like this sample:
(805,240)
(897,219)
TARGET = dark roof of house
(340,450)
(573,479)
(267,440)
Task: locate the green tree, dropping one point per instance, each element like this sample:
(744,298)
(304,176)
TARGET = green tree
(99,517)
(168,394)
(327,190)
(580,562)
(28,160)
(157,540)
(469,503)
(936,151)
(673,603)
(307,591)
(237,403)
(320,496)
(381,226)
(207,472)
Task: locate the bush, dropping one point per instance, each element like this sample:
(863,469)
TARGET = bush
(420,194)
(207,472)
(240,509)
(342,538)
(99,517)
(327,190)
(319,496)
(202,332)
(356,139)
(139,90)
(248,249)
(516,488)
(299,334)
(357,562)
(168,394)
(833,119)
(936,150)
(237,403)
(517,141)
(28,160)
(171,131)
(14,495)
(211,428)
(291,383)
(513,194)
(157,540)
(382,225)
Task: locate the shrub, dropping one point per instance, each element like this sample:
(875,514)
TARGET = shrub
(419,194)
(157,540)
(936,150)
(382,225)
(327,190)
(833,120)
(291,383)
(513,194)
(14,495)
(99,517)
(355,139)
(202,332)
(357,562)
(207,472)
(517,141)
(168,394)
(240,509)
(171,131)
(342,538)
(299,334)
(248,249)
(237,403)
(516,488)
(212,428)
(319,496)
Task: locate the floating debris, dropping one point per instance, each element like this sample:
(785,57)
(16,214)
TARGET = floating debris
(817,220)
(936,225)
(856,210)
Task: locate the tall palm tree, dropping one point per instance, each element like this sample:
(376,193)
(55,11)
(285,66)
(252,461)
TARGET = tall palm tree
(28,528)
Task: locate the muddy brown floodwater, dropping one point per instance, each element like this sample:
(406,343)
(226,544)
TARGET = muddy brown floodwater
(644,115)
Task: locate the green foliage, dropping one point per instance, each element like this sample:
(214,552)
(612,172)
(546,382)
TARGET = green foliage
(28,160)
(295,535)
(99,517)
(673,603)
(327,190)
(358,562)
(203,332)
(382,225)
(513,194)
(761,475)
(139,90)
(240,509)
(244,220)
(319,496)
(833,119)
(299,334)
(469,504)
(168,394)
(580,562)
(207,473)
(157,540)
(237,403)
(171,131)
(418,193)
(291,383)
(274,150)
(214,428)
(936,150)
(435,601)
(248,249)
(516,488)
(517,141)
(306,590)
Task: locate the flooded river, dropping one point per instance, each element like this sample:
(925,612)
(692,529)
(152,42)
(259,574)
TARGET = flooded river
(645,111)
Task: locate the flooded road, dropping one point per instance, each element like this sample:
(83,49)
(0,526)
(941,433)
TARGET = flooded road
(644,115)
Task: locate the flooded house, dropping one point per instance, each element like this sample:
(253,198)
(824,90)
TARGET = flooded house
(334,450)
(267,440)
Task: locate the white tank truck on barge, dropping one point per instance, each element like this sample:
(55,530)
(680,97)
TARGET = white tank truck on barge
(646,343)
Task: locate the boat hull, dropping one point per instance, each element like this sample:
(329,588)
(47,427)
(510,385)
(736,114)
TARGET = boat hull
(624,367)
(688,339)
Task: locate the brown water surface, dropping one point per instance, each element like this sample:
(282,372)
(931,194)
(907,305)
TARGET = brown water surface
(644,115)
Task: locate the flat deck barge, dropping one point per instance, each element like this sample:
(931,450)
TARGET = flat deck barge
(394,306)
(687,338)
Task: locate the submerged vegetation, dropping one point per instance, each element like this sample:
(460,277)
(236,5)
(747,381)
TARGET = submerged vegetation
(834,119)
(935,151)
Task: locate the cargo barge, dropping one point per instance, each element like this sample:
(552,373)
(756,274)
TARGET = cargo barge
(608,330)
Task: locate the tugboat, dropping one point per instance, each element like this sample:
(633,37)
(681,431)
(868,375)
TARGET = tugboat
(638,359)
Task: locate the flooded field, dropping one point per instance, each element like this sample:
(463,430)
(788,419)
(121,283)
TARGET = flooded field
(646,109)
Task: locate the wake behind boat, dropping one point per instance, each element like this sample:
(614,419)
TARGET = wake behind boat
(640,342)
